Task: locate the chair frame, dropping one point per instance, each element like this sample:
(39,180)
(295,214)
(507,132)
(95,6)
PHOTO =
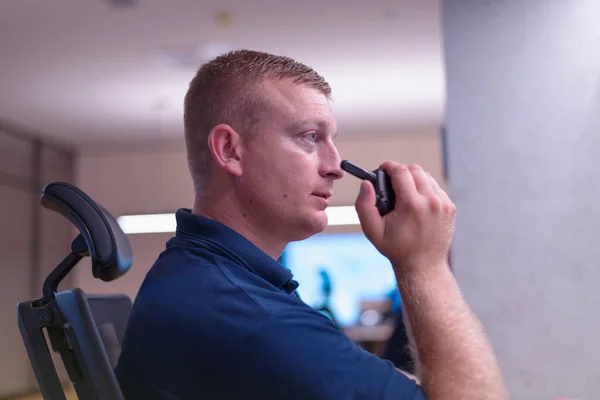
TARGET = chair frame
(67,319)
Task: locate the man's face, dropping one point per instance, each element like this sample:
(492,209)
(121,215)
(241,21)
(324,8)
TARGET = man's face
(289,168)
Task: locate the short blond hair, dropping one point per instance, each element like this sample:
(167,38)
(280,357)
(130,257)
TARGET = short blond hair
(225,91)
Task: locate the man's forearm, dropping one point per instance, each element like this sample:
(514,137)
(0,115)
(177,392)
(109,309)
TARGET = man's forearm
(454,358)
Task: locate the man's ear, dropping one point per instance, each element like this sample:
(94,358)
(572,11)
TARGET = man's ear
(225,147)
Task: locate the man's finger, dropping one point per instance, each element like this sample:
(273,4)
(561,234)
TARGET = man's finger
(434,185)
(422,182)
(441,193)
(402,181)
(368,214)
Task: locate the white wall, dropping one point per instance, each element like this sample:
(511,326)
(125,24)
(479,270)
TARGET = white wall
(33,241)
(523,124)
(15,286)
(135,179)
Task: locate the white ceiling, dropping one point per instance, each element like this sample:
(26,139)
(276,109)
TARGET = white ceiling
(88,71)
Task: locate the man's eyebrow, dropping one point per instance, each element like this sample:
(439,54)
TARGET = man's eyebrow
(321,124)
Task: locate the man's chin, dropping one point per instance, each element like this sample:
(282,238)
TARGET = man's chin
(318,223)
(311,226)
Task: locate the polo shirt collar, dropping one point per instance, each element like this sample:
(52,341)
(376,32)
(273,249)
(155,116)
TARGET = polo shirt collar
(234,246)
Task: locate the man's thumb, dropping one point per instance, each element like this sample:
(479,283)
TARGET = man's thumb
(370,219)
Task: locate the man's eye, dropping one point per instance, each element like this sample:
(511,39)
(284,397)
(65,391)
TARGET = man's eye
(311,136)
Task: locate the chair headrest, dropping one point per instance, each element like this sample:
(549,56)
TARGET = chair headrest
(109,247)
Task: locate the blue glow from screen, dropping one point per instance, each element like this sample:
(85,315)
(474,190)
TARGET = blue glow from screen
(354,267)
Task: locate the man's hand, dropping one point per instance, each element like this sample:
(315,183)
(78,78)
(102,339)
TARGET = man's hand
(453,357)
(418,232)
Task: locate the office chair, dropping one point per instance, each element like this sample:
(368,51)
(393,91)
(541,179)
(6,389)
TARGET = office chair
(85,330)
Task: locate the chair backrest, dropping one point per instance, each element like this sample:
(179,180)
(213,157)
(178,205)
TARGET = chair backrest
(86,330)
(96,326)
(111,313)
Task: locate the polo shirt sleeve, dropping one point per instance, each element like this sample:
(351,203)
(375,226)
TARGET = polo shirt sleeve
(301,354)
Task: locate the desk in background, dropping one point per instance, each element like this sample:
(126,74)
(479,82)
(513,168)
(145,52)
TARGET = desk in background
(371,338)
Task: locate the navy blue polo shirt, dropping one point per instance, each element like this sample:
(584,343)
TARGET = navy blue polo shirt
(217,318)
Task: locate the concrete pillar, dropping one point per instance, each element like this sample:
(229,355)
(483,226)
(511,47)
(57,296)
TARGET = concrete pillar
(523,139)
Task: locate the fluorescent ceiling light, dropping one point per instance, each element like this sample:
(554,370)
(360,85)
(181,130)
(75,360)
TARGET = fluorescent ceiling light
(161,223)
(148,223)
(342,215)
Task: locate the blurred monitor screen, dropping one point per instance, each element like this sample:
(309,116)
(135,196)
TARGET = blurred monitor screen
(353,266)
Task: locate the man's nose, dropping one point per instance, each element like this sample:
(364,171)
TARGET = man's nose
(330,164)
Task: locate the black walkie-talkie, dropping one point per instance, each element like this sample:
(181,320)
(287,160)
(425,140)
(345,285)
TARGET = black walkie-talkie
(386,198)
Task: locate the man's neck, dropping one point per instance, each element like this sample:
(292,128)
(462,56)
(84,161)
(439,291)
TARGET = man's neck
(229,213)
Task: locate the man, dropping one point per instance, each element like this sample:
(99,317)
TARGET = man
(398,347)
(217,316)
